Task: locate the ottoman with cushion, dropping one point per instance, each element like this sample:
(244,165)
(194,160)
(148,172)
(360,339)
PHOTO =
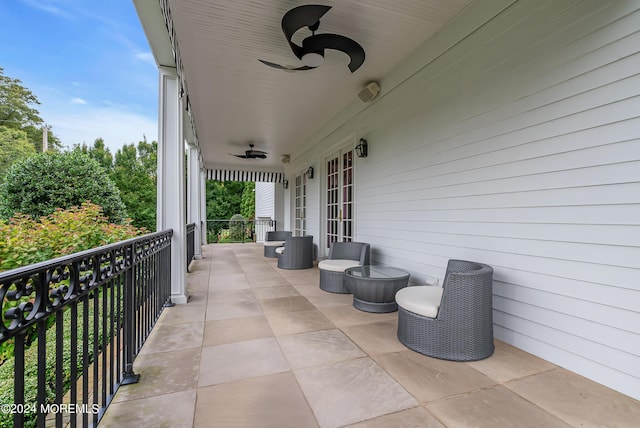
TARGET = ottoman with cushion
(342,255)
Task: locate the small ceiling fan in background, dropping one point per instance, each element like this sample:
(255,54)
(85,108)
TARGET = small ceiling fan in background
(252,154)
(311,53)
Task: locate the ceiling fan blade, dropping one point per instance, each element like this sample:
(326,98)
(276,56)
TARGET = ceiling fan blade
(298,17)
(251,153)
(319,42)
(282,67)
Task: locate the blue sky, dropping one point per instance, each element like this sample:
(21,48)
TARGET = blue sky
(89,64)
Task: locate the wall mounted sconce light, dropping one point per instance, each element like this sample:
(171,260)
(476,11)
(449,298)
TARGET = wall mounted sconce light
(285,184)
(362,149)
(309,172)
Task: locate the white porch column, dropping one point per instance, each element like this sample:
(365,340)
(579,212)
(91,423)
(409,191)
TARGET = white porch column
(193,198)
(171,170)
(203,205)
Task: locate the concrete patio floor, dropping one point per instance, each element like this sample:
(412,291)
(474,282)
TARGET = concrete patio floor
(257,346)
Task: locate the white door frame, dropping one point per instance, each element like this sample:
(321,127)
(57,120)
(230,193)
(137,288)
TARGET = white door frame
(339,150)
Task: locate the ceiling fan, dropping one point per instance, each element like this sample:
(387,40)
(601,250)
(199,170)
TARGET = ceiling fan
(252,154)
(311,53)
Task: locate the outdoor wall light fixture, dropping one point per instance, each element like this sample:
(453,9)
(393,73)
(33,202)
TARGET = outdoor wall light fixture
(309,172)
(362,149)
(285,184)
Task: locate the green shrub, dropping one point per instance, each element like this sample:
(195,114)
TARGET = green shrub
(40,184)
(25,240)
(237,226)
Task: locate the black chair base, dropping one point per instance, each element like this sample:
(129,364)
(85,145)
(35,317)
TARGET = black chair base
(379,308)
(421,334)
(333,282)
(270,251)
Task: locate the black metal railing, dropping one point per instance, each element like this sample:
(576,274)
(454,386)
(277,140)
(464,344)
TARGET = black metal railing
(219,231)
(77,323)
(191,243)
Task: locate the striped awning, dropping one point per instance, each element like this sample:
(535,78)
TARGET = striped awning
(236,175)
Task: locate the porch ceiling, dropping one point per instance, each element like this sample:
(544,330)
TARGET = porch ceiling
(235,99)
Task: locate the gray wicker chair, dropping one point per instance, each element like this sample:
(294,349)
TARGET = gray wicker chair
(273,240)
(461,329)
(342,255)
(297,253)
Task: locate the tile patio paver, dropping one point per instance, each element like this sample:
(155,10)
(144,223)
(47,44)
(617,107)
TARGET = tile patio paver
(257,346)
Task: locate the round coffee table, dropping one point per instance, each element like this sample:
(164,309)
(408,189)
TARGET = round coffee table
(374,287)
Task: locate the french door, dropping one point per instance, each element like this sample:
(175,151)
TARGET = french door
(339,197)
(300,205)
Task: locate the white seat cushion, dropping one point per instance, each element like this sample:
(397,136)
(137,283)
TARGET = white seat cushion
(273,243)
(280,250)
(422,300)
(337,265)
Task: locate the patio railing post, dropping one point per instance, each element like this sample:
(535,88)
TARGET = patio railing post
(18,390)
(165,275)
(129,377)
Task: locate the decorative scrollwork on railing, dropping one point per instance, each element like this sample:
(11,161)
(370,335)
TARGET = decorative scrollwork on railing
(57,281)
(18,297)
(33,292)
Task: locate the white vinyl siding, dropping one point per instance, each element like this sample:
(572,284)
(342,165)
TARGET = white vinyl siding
(265,208)
(265,200)
(519,146)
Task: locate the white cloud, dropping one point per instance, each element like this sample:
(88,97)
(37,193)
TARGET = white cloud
(145,57)
(115,127)
(49,7)
(76,100)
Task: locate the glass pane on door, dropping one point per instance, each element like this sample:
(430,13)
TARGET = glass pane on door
(340,198)
(300,204)
(333,202)
(347,196)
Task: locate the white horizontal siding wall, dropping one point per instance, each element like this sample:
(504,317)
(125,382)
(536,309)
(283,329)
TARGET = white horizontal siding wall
(312,202)
(519,146)
(265,200)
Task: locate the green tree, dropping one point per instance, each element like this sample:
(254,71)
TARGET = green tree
(36,186)
(148,157)
(134,173)
(17,111)
(224,199)
(99,152)
(14,145)
(248,204)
